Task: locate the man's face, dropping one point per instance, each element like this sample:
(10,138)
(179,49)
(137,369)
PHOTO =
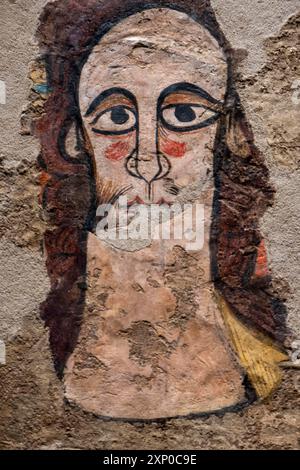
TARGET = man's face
(150,98)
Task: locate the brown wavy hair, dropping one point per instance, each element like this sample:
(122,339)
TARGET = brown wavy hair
(67,33)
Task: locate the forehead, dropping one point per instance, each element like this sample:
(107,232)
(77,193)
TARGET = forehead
(151,50)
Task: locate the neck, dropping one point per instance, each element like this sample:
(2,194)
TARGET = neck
(152,342)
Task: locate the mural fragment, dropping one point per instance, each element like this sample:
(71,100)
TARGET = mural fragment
(143,104)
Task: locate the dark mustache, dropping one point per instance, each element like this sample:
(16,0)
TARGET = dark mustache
(170,187)
(109,193)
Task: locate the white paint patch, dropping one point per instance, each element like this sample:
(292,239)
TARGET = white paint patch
(2,353)
(296,93)
(2,92)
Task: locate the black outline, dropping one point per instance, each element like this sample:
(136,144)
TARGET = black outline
(250,398)
(189,88)
(107,132)
(106,94)
(185,129)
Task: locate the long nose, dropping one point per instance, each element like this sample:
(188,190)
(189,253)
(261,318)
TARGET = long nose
(147,154)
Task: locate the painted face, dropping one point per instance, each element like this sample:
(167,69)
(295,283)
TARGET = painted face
(150,99)
(150,95)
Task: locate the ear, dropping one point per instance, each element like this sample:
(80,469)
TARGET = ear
(238,136)
(73,141)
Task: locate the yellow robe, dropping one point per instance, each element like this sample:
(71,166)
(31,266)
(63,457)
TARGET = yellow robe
(258,355)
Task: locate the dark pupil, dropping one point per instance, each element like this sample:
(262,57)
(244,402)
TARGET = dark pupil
(184,113)
(119,115)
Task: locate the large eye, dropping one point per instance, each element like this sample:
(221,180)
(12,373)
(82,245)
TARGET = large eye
(115,121)
(187,117)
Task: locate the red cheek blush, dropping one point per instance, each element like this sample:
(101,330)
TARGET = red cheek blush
(173,149)
(117,151)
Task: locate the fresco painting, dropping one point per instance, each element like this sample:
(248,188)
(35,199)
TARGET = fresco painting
(143,104)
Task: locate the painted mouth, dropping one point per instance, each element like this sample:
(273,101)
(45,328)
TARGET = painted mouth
(137,200)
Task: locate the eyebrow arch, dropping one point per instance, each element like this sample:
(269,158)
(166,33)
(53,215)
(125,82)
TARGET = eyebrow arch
(106,94)
(188,87)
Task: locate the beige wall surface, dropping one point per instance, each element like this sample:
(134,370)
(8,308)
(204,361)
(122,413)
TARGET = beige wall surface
(33,412)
